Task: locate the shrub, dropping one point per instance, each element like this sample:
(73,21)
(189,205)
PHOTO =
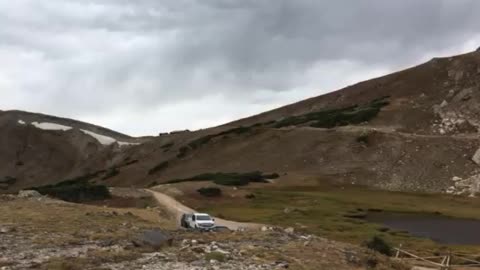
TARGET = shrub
(131,162)
(111,173)
(228,179)
(158,168)
(250,196)
(206,139)
(264,123)
(183,151)
(336,117)
(201,141)
(167,145)
(78,189)
(362,139)
(210,191)
(152,184)
(75,191)
(380,245)
(217,256)
(238,130)
(271,176)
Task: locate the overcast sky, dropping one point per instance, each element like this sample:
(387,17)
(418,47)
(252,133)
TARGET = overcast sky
(148,66)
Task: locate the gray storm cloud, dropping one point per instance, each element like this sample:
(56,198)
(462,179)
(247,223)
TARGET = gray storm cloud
(147,66)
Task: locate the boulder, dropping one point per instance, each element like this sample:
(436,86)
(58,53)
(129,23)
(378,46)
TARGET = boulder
(476,157)
(154,239)
(29,194)
(290,230)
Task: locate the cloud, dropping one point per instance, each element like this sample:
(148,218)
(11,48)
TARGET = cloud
(148,66)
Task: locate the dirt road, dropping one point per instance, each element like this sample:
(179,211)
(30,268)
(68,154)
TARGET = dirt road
(177,209)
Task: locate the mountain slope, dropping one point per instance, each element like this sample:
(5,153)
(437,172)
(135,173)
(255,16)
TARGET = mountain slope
(39,149)
(425,136)
(412,130)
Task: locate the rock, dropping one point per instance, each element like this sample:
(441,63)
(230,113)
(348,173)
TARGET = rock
(29,194)
(444,104)
(219,250)
(451,93)
(198,249)
(463,95)
(281,265)
(456,179)
(153,238)
(476,157)
(264,228)
(290,230)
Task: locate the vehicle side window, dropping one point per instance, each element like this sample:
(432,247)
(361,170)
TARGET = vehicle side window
(193,218)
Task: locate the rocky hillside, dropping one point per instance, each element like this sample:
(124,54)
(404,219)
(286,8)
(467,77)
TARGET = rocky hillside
(414,130)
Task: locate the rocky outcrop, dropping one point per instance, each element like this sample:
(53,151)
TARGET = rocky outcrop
(29,194)
(155,239)
(469,186)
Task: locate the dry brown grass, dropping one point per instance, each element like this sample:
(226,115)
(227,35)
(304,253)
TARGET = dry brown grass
(67,223)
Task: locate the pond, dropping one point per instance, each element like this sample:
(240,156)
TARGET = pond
(441,229)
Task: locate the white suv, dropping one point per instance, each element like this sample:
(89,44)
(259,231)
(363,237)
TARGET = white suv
(198,221)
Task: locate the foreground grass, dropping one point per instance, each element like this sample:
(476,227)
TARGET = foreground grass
(54,223)
(323,211)
(93,258)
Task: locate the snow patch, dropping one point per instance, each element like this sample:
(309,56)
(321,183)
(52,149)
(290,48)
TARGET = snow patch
(105,140)
(50,126)
(127,143)
(21,122)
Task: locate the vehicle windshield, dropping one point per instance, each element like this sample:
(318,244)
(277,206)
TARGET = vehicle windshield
(204,218)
